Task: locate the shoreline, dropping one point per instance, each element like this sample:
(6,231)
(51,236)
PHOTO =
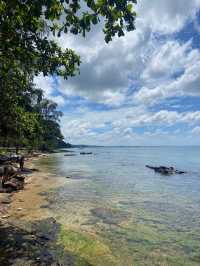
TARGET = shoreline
(26,204)
(30,235)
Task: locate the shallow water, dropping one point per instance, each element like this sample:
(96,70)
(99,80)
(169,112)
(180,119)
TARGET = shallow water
(115,211)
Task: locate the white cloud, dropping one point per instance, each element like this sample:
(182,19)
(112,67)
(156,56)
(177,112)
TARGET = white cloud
(160,74)
(118,125)
(167,16)
(47,84)
(196,130)
(107,70)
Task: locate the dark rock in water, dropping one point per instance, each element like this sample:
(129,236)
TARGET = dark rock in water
(72,154)
(110,216)
(43,193)
(45,206)
(68,176)
(85,153)
(165,170)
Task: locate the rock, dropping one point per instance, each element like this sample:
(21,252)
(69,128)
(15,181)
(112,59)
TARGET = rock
(20,178)
(5,216)
(85,153)
(14,184)
(72,154)
(110,216)
(34,169)
(3,159)
(68,176)
(11,185)
(6,201)
(165,170)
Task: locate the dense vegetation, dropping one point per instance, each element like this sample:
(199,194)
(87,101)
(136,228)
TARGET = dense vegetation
(27,49)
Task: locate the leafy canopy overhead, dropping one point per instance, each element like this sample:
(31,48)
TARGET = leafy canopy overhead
(28,49)
(27,24)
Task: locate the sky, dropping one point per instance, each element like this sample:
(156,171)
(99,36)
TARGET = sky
(142,89)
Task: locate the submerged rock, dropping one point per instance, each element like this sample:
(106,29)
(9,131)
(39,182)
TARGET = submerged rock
(110,216)
(85,153)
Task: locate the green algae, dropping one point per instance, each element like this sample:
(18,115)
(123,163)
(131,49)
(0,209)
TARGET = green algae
(109,216)
(86,246)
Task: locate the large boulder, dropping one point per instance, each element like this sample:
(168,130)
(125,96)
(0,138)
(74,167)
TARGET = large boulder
(165,170)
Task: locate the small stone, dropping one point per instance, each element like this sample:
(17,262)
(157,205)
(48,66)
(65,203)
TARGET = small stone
(5,216)
(6,201)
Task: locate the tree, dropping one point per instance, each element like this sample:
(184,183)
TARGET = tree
(26,24)
(27,49)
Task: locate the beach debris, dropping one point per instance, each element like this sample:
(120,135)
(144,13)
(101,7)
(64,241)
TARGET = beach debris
(165,170)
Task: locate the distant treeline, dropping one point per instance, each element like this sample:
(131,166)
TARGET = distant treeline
(28,119)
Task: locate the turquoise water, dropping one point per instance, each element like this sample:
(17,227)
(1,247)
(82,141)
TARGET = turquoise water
(115,211)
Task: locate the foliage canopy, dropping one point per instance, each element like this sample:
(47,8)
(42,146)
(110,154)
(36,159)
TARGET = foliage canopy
(27,48)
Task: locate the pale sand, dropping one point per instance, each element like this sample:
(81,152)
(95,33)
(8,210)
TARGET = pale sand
(26,204)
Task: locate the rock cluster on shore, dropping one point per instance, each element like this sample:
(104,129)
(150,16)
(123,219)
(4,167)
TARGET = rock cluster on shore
(10,175)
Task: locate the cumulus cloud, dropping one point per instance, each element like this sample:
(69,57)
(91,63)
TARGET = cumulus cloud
(117,125)
(108,70)
(196,130)
(130,75)
(172,71)
(167,16)
(106,74)
(47,84)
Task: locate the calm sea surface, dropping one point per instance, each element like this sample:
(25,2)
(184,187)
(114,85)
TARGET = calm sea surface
(115,211)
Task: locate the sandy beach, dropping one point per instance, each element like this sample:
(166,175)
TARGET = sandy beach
(27,232)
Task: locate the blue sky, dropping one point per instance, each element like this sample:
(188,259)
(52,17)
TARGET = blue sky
(142,89)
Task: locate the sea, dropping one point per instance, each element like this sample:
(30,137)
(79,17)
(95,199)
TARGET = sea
(116,211)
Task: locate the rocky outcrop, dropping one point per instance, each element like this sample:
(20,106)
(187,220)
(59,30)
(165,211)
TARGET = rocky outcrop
(165,170)
(10,179)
